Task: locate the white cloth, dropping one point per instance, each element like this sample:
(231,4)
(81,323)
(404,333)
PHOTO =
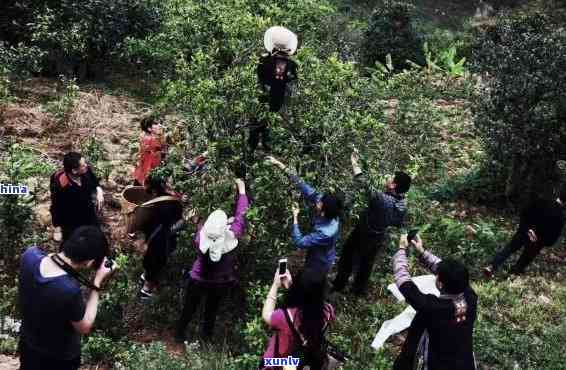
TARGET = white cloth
(427,285)
(281,38)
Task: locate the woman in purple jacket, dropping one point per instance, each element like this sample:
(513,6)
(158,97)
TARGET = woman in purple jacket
(213,272)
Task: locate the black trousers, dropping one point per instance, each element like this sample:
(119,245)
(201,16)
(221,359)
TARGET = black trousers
(194,293)
(156,256)
(530,251)
(360,244)
(257,132)
(33,360)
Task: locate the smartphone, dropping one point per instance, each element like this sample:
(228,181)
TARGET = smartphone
(282,266)
(411,235)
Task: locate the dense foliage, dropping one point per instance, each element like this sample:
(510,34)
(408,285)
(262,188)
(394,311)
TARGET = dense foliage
(520,110)
(391,31)
(79,37)
(203,55)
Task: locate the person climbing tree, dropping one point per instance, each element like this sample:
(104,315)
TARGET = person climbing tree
(275,71)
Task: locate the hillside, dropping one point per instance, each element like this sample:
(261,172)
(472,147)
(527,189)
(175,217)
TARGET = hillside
(199,76)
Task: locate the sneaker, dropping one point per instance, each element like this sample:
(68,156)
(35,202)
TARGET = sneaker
(145,294)
(488,272)
(142,278)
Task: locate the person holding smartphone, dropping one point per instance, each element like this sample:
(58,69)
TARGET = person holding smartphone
(54,314)
(441,334)
(306,309)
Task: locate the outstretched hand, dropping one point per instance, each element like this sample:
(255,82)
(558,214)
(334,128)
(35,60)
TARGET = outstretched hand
(417,243)
(274,161)
(355,159)
(241,185)
(296,210)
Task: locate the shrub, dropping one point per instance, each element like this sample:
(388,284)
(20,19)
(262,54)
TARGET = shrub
(18,166)
(391,31)
(226,31)
(16,63)
(81,36)
(520,109)
(61,107)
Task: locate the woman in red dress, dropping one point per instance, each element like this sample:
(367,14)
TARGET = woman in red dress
(152,145)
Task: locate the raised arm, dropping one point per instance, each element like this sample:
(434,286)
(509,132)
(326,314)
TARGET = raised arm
(428,260)
(412,294)
(239,225)
(308,191)
(305,241)
(360,178)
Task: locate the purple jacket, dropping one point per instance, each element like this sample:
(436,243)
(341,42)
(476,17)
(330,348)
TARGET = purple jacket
(221,272)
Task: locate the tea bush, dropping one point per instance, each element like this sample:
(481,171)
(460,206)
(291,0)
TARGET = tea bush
(391,31)
(81,37)
(17,63)
(19,165)
(520,108)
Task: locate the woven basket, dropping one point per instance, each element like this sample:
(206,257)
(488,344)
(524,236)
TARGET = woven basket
(131,198)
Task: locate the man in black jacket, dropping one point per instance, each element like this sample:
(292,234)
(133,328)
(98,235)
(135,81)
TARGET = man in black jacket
(384,209)
(275,71)
(72,189)
(441,334)
(541,225)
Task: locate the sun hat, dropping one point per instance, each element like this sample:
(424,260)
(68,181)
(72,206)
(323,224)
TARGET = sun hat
(216,236)
(279,38)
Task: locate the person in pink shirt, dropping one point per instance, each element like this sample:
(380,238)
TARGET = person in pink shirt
(304,308)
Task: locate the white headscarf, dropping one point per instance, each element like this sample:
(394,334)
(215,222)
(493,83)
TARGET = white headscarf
(216,236)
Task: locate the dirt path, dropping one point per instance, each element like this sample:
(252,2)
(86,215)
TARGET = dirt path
(107,118)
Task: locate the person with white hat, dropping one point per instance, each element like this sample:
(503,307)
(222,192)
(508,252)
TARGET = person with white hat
(275,71)
(213,273)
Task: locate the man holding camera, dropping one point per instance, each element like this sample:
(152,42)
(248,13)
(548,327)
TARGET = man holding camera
(54,314)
